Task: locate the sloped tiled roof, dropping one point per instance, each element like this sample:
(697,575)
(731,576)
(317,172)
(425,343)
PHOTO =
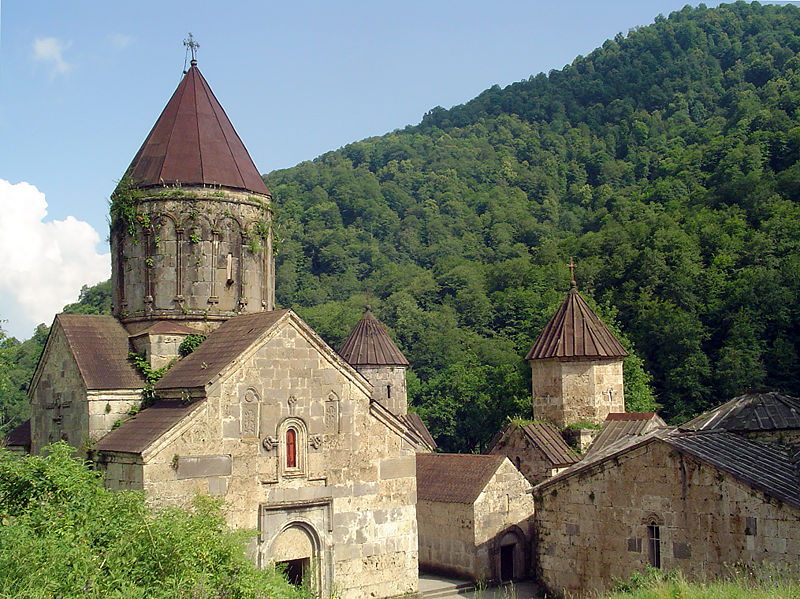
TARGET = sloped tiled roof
(414,422)
(543,436)
(167,327)
(194,142)
(370,345)
(220,348)
(136,435)
(575,331)
(100,347)
(20,436)
(626,424)
(768,467)
(751,412)
(454,477)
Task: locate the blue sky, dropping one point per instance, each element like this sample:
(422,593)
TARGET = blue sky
(82,82)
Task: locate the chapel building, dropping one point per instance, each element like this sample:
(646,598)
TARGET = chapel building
(313,450)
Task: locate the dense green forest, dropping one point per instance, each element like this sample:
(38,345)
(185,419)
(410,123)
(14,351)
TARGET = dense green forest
(666,163)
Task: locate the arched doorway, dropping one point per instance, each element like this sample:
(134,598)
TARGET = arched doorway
(510,555)
(297,549)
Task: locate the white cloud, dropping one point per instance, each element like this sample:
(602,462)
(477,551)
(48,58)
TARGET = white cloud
(49,50)
(120,41)
(43,264)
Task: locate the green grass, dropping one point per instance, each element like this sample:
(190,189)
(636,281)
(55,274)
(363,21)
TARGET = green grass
(768,582)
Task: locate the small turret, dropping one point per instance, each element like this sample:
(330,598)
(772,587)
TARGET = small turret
(576,366)
(371,351)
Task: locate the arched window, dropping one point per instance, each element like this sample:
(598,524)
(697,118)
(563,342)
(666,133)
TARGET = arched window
(291,448)
(654,544)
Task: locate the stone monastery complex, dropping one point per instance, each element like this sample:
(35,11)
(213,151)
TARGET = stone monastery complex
(315,449)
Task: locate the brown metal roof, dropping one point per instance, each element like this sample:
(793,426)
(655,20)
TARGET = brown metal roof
(621,425)
(136,435)
(167,327)
(751,412)
(414,422)
(100,347)
(220,348)
(20,436)
(575,331)
(454,477)
(194,142)
(545,437)
(370,345)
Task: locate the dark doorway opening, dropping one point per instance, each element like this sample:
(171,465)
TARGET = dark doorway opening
(295,570)
(506,562)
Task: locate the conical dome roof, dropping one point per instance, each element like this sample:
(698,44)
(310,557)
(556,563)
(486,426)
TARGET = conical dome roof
(575,331)
(370,345)
(194,143)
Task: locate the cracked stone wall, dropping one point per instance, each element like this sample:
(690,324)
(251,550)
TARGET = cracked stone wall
(592,527)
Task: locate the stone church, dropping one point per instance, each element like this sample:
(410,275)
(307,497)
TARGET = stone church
(312,448)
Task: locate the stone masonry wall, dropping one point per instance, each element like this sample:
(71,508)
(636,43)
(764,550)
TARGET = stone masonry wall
(592,527)
(532,463)
(505,505)
(197,255)
(58,402)
(352,492)
(447,538)
(388,386)
(566,392)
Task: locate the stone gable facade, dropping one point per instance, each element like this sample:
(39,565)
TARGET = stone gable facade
(655,505)
(288,438)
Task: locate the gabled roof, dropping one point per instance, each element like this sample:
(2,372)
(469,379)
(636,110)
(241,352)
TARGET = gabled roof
(136,434)
(454,477)
(194,143)
(221,348)
(100,347)
(415,423)
(575,331)
(370,345)
(625,424)
(20,436)
(545,437)
(751,412)
(768,467)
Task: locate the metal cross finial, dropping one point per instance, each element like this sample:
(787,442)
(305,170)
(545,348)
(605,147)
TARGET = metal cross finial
(192,46)
(572,266)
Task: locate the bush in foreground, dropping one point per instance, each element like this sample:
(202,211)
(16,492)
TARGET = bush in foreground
(62,534)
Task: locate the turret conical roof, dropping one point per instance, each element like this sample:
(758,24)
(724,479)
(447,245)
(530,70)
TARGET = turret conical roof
(194,143)
(575,331)
(370,345)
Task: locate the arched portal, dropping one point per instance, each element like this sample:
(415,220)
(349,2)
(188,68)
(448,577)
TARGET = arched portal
(297,549)
(511,555)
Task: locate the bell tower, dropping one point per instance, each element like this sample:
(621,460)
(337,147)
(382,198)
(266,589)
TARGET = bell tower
(191,220)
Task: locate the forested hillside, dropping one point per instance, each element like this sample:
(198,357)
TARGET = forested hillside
(665,162)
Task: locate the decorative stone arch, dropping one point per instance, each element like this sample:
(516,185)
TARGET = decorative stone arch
(653,537)
(292,448)
(298,546)
(228,269)
(510,554)
(196,258)
(165,257)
